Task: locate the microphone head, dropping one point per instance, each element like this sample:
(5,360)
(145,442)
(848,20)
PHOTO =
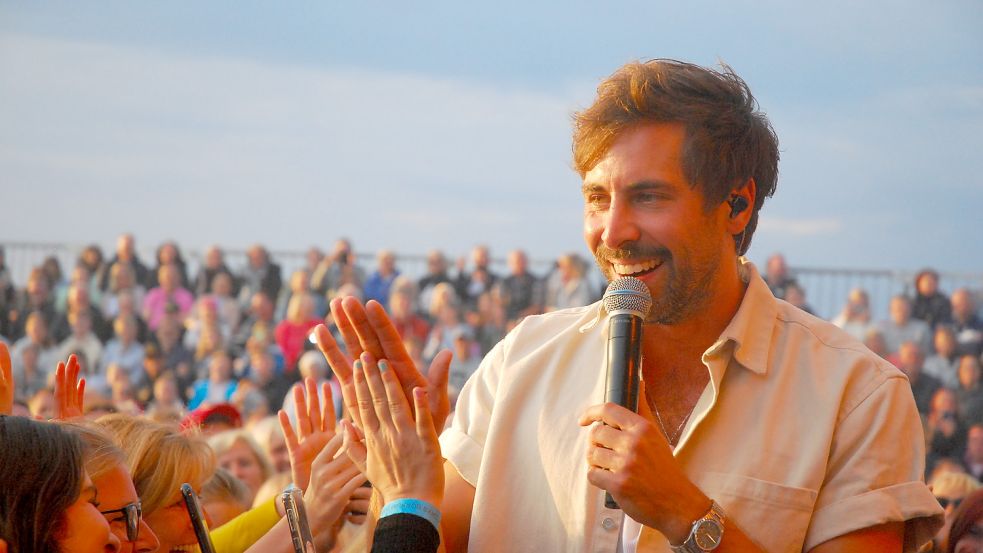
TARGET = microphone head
(628,294)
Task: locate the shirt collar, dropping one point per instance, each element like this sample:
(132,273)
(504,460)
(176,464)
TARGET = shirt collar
(751,328)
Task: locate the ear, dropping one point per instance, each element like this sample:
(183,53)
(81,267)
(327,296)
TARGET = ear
(739,221)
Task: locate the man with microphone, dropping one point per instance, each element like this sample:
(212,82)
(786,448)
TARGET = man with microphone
(758,426)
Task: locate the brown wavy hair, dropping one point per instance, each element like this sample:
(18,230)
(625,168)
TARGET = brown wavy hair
(728,139)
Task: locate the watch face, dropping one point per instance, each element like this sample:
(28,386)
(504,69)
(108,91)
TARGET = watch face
(708,534)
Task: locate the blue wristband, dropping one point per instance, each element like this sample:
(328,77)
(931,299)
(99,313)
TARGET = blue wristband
(416,507)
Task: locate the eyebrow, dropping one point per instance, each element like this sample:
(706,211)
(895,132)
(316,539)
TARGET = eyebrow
(640,186)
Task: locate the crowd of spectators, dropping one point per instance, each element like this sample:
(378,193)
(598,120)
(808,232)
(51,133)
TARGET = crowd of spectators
(222,348)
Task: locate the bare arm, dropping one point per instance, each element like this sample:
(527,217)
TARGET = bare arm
(886,537)
(455,522)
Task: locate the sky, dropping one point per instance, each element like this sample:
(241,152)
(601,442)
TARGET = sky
(416,125)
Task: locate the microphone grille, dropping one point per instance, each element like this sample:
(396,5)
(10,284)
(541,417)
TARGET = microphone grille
(628,294)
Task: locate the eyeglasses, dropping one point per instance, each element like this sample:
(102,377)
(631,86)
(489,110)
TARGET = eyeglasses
(132,514)
(945,502)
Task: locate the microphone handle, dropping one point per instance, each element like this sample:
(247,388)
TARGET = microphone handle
(624,360)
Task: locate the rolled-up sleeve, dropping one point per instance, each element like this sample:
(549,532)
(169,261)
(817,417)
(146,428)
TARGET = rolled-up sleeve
(875,470)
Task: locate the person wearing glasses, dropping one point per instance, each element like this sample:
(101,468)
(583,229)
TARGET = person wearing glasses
(118,500)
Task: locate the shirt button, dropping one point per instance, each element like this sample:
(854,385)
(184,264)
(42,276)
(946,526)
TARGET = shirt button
(608,524)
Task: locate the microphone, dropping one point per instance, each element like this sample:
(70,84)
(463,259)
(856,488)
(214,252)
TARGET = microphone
(627,301)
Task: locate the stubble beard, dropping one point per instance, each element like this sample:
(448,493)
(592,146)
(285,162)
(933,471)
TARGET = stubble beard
(687,289)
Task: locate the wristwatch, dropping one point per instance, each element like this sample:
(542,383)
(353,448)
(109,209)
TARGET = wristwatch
(706,534)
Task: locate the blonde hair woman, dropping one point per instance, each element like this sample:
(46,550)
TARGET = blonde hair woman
(238,453)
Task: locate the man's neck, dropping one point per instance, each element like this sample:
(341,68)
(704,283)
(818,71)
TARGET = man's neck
(683,344)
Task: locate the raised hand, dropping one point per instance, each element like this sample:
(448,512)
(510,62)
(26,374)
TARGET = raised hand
(333,479)
(400,456)
(315,428)
(368,329)
(6,382)
(69,390)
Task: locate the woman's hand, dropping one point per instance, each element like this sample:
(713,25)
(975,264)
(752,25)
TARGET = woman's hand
(368,329)
(315,428)
(69,390)
(6,382)
(333,480)
(400,456)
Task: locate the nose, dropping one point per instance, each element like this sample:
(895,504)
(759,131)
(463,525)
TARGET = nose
(620,224)
(147,541)
(112,543)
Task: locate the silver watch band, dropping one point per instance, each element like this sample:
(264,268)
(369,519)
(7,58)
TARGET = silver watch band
(706,533)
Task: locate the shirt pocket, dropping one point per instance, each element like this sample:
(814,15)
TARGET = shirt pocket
(774,515)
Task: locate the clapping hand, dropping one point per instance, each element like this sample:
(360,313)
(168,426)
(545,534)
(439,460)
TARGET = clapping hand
(400,456)
(368,329)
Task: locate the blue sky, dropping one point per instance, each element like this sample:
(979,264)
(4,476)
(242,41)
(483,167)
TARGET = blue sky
(445,124)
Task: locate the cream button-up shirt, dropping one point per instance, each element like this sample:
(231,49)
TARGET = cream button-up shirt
(801,435)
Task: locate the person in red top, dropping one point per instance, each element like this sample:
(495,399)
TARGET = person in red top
(291,334)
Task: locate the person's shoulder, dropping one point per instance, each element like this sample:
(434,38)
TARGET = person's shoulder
(541,330)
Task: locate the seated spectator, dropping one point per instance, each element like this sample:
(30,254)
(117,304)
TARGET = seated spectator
(82,339)
(260,323)
(444,331)
(299,285)
(224,497)
(521,291)
(259,275)
(777,275)
(487,321)
(408,324)
(165,399)
(263,376)
(944,363)
(292,333)
(36,336)
(92,259)
(48,501)
(443,295)
(124,349)
(336,270)
(127,305)
(796,295)
(121,281)
(902,328)
(945,431)
(80,277)
(169,254)
(950,488)
(205,315)
(223,295)
(29,376)
(36,296)
(930,305)
(237,452)
(379,283)
(923,386)
(269,436)
(176,357)
(970,392)
(125,255)
(966,530)
(169,293)
(436,274)
(106,465)
(209,342)
(219,386)
(855,316)
(480,280)
(465,361)
(966,323)
(569,287)
(79,302)
(212,266)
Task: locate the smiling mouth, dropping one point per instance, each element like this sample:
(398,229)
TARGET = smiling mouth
(637,269)
(193,548)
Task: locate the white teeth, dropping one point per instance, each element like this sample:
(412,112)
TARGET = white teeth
(634,268)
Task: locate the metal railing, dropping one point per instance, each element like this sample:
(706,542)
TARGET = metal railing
(826,288)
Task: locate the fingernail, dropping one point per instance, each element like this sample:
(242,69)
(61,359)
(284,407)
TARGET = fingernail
(383,366)
(358,365)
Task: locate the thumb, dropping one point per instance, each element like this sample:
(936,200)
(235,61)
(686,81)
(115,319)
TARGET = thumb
(644,410)
(439,369)
(352,446)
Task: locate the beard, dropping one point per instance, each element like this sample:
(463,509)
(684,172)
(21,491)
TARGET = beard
(687,287)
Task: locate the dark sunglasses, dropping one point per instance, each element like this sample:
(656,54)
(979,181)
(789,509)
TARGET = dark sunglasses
(945,502)
(132,514)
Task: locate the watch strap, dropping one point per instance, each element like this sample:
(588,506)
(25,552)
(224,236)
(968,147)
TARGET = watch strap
(715,516)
